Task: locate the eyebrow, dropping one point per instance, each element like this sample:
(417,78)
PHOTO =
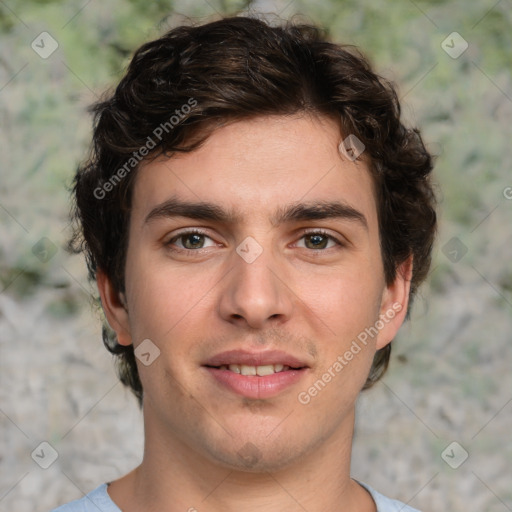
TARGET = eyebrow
(313,210)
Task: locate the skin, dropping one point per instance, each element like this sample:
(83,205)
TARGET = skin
(309,302)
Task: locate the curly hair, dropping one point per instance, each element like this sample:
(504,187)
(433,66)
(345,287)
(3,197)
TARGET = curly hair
(180,87)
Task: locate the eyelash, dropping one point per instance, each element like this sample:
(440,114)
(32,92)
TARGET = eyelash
(200,232)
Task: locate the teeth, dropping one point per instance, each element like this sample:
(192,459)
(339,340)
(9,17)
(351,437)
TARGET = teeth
(261,371)
(247,370)
(265,370)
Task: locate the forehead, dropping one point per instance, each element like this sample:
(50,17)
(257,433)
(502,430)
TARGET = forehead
(255,168)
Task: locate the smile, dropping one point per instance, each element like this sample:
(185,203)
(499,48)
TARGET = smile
(261,371)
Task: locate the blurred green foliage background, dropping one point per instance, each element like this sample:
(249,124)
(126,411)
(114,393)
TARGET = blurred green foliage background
(461,104)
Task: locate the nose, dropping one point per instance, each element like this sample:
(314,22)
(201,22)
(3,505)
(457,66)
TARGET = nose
(256,291)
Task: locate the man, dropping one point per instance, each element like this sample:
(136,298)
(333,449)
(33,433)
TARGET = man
(258,220)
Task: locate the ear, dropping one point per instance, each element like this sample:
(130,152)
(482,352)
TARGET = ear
(395,301)
(114,307)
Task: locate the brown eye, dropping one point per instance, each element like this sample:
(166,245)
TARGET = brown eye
(318,240)
(189,241)
(192,241)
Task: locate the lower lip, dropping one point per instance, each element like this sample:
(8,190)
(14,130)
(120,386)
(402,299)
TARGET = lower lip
(253,386)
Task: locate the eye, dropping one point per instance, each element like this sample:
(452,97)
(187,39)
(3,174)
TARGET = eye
(194,239)
(189,240)
(319,239)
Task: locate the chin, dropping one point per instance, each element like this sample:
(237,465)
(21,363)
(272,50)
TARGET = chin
(256,457)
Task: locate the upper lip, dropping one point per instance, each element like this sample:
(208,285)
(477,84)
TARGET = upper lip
(267,357)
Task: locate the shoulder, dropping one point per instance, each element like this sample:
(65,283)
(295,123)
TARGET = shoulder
(98,499)
(385,504)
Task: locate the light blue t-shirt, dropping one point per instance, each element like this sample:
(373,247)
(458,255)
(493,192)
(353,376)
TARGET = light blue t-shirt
(99,500)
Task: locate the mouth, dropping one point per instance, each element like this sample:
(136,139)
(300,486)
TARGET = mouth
(245,360)
(260,371)
(256,375)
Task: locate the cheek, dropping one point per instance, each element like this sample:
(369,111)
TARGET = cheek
(345,299)
(162,308)
(344,308)
(172,307)
(162,298)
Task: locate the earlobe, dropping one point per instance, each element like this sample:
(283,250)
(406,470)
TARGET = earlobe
(395,301)
(114,307)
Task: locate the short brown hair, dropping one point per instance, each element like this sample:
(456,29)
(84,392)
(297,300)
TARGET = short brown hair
(232,69)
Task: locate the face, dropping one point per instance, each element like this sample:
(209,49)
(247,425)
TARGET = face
(264,309)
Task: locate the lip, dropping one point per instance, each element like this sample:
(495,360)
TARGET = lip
(253,386)
(255,359)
